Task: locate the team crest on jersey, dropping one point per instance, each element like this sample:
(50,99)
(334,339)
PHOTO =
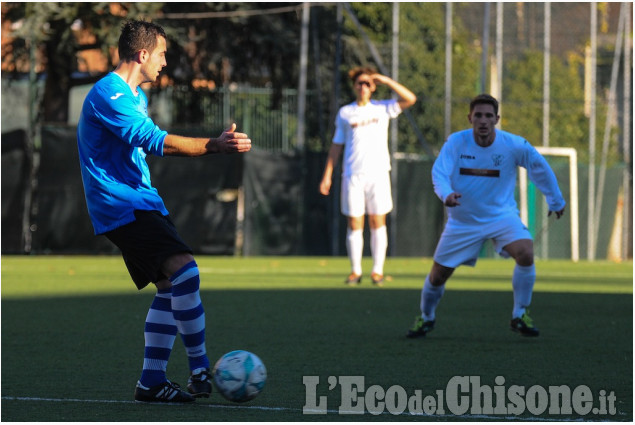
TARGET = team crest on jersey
(497,159)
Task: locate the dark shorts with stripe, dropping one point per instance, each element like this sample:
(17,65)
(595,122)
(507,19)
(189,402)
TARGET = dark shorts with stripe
(145,244)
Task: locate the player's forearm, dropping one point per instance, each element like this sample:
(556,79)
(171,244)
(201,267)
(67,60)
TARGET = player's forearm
(331,160)
(442,171)
(542,176)
(334,155)
(174,145)
(195,146)
(442,189)
(406,97)
(328,169)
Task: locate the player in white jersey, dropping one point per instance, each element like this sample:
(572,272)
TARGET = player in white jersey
(475,176)
(361,131)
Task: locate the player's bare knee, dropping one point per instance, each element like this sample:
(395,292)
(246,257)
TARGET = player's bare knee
(525,256)
(356,223)
(176,262)
(525,259)
(439,274)
(163,284)
(437,281)
(376,221)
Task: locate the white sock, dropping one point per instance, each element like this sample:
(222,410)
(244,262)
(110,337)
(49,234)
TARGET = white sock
(378,247)
(355,248)
(523,281)
(430,297)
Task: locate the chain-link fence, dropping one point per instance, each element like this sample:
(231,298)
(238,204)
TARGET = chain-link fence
(268,116)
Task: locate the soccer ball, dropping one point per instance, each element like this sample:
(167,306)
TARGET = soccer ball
(239,376)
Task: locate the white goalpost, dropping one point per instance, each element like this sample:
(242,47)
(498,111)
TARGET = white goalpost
(572,154)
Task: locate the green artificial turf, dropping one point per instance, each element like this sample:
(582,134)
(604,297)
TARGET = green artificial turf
(72,339)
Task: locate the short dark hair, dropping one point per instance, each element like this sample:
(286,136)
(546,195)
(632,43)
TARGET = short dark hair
(484,99)
(136,36)
(359,70)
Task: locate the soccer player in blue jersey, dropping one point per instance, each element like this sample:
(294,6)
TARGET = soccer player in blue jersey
(114,136)
(475,176)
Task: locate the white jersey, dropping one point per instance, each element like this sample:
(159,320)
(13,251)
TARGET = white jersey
(363,130)
(486,176)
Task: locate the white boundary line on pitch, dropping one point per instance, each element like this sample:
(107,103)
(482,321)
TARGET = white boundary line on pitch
(291,409)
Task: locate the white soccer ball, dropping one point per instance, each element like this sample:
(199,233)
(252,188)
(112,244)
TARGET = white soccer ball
(239,376)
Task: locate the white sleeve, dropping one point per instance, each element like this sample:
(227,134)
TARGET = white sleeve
(393,108)
(541,174)
(339,137)
(442,172)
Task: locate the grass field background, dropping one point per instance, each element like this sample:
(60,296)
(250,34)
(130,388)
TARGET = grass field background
(72,335)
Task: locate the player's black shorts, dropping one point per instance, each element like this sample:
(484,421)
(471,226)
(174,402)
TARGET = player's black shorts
(145,244)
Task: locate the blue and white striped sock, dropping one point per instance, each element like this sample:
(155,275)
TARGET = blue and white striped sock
(189,314)
(160,333)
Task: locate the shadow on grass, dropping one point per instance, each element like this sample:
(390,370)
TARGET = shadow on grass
(91,348)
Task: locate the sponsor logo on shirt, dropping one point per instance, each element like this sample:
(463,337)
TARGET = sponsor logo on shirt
(479,172)
(116,96)
(364,123)
(464,156)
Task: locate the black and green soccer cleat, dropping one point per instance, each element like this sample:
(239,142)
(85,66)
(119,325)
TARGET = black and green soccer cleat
(524,325)
(420,327)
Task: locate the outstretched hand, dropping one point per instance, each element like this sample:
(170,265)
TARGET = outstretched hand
(231,142)
(558,213)
(452,200)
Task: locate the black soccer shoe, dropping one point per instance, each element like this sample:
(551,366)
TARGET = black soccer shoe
(200,385)
(420,327)
(168,392)
(524,325)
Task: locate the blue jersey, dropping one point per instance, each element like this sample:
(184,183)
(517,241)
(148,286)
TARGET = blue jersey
(114,135)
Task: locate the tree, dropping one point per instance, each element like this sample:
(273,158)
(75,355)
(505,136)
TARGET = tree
(421,63)
(522,108)
(257,49)
(258,44)
(54,29)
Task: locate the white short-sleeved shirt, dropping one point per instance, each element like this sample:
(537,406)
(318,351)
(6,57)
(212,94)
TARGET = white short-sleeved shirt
(363,130)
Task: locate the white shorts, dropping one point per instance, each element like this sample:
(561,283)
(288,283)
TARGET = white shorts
(461,244)
(366,194)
